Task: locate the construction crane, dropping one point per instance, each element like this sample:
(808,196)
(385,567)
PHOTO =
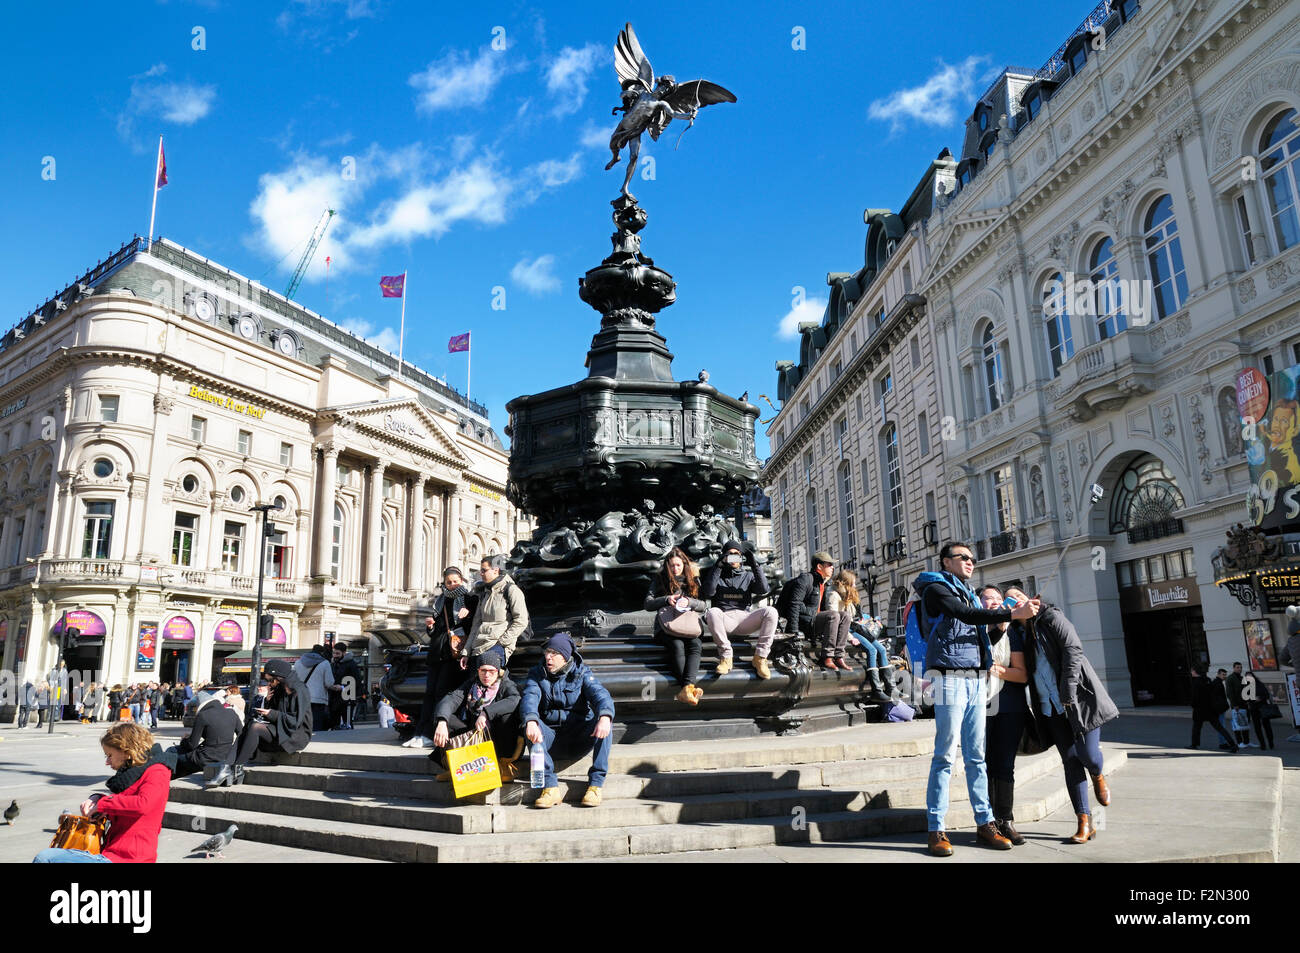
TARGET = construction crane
(321,227)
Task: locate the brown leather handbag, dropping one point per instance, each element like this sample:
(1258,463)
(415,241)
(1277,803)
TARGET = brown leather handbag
(78,832)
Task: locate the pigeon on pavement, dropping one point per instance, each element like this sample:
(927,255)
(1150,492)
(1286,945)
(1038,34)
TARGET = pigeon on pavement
(12,812)
(217,843)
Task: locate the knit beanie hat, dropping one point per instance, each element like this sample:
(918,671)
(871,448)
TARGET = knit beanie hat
(562,643)
(495,657)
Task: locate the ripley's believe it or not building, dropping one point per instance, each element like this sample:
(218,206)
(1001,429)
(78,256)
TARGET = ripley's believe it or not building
(148,406)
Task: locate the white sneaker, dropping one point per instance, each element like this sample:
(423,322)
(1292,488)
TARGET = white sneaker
(419,741)
(1251,744)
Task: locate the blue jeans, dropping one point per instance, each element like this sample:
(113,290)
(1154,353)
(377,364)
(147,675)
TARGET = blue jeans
(876,657)
(958,706)
(62,855)
(135,712)
(571,744)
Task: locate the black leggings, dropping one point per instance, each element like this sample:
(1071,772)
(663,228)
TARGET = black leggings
(1002,740)
(257,737)
(1263,727)
(683,658)
(439,680)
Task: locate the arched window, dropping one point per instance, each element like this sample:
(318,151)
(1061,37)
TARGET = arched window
(810,518)
(848,532)
(1146,498)
(892,480)
(1165,257)
(1104,272)
(785,545)
(994,370)
(1056,320)
(1279,151)
(336,543)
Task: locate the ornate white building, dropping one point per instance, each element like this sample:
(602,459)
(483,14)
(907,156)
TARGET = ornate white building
(1121,240)
(149,406)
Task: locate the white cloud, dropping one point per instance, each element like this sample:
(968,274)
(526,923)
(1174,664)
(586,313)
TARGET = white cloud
(475,193)
(934,102)
(810,309)
(386,338)
(594,137)
(569,73)
(456,80)
(288,206)
(552,173)
(536,276)
(180,103)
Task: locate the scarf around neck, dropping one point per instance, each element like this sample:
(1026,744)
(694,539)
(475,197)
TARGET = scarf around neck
(127,776)
(484,696)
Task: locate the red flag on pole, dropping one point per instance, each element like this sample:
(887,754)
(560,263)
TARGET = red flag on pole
(392,286)
(162,166)
(459,343)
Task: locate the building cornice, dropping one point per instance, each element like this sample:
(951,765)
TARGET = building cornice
(909,312)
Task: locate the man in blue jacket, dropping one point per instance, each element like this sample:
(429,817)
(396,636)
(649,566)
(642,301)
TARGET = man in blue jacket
(569,712)
(957,660)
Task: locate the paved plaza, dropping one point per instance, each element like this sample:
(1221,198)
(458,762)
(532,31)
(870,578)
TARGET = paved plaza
(1169,803)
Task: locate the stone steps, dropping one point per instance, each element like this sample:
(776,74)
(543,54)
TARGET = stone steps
(1034,800)
(380,801)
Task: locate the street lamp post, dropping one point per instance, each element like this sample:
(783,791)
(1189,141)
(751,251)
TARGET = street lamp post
(869,563)
(255,663)
(56,695)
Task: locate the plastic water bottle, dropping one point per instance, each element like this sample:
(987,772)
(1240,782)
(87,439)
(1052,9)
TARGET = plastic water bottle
(537,765)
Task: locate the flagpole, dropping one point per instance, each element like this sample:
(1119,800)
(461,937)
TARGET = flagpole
(469,364)
(401,335)
(157,164)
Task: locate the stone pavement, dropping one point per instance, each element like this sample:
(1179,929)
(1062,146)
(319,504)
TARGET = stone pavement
(49,774)
(1170,803)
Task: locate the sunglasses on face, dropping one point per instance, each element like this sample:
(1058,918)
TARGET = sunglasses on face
(964,557)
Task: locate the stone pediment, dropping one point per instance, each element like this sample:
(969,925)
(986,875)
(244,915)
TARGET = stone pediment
(404,420)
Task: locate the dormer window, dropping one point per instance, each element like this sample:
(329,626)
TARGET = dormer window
(990,147)
(1078,58)
(983,119)
(1033,105)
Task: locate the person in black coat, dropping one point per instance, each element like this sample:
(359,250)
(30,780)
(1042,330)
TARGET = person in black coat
(1073,702)
(1209,701)
(210,741)
(487,701)
(804,596)
(347,679)
(445,630)
(284,724)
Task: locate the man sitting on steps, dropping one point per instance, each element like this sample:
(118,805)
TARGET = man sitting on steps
(569,712)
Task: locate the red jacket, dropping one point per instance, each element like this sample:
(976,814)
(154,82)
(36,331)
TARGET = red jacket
(136,816)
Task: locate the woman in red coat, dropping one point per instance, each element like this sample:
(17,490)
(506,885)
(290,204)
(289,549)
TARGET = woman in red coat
(134,805)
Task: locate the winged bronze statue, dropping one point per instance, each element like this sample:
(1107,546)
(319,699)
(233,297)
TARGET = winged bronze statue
(650,104)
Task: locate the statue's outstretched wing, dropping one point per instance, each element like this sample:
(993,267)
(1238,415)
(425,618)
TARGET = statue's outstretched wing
(698,93)
(630,62)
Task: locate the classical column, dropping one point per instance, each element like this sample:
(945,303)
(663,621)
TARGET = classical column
(445,526)
(415,532)
(326,500)
(374,522)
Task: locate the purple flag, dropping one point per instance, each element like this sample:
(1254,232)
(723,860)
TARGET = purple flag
(459,343)
(392,285)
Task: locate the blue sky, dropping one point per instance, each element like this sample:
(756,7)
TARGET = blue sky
(476,168)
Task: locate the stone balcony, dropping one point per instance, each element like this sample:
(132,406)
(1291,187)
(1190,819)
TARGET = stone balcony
(180,580)
(1103,376)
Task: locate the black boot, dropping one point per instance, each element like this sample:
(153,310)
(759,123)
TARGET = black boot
(1002,794)
(224,777)
(878,692)
(887,681)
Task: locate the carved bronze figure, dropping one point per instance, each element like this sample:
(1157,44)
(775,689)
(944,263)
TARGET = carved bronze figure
(650,104)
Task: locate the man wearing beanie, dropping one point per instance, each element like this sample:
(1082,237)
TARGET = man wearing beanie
(569,712)
(732,585)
